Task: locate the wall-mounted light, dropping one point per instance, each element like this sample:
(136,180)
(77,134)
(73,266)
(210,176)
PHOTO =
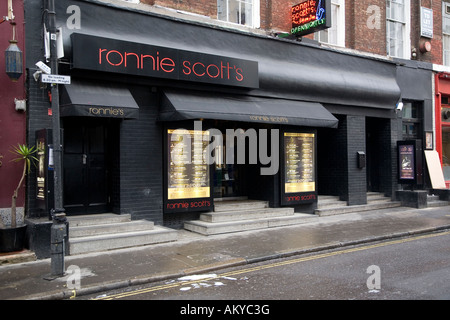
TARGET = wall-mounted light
(13,57)
(13,61)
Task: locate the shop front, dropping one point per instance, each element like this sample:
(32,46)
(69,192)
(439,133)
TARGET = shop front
(164,124)
(442,118)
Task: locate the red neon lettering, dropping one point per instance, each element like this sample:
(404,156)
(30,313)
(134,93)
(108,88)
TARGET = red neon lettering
(304,12)
(217,68)
(193,69)
(143,56)
(114,64)
(170,64)
(186,64)
(134,54)
(239,75)
(100,55)
(227,67)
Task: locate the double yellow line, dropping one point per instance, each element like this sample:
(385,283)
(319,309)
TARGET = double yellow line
(271,265)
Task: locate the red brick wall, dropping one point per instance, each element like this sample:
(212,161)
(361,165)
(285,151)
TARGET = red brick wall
(436,42)
(12,123)
(361,32)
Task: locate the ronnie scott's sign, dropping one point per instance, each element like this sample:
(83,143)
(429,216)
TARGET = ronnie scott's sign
(110,55)
(310,16)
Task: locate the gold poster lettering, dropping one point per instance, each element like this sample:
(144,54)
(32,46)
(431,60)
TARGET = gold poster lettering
(299,162)
(188,172)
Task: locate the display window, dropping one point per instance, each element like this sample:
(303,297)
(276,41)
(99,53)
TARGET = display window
(445,131)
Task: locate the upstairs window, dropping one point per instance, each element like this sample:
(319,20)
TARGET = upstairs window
(446,32)
(336,34)
(397,28)
(244,12)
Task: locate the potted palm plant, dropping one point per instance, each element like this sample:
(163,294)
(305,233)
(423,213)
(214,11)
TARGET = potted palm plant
(12,234)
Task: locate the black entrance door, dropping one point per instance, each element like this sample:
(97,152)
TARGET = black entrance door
(85,166)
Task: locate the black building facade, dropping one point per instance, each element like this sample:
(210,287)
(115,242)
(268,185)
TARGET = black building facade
(321,122)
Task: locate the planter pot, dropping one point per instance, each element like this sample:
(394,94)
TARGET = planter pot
(12,239)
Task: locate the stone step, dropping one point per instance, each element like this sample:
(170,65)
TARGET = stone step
(121,240)
(439,203)
(98,229)
(376,205)
(108,231)
(376,196)
(235,205)
(330,202)
(208,228)
(96,219)
(434,201)
(248,214)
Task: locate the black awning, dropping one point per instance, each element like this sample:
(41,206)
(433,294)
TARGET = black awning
(87,99)
(200,105)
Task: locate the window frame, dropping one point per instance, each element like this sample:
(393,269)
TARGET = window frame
(406,32)
(445,35)
(255,21)
(337,22)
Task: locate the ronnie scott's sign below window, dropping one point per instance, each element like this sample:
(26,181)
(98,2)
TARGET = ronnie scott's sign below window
(310,16)
(110,55)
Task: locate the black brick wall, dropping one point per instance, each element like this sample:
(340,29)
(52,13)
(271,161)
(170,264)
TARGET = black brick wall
(356,141)
(141,160)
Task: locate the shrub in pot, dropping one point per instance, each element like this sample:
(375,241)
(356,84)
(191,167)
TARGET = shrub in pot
(12,235)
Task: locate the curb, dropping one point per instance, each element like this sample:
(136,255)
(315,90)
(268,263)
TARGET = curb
(69,294)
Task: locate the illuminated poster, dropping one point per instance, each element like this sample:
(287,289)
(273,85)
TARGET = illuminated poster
(406,162)
(188,172)
(299,173)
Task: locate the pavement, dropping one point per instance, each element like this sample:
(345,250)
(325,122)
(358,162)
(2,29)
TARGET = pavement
(195,254)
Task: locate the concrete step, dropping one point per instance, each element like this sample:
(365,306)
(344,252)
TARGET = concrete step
(98,229)
(377,205)
(100,232)
(248,214)
(95,219)
(434,201)
(121,240)
(330,202)
(236,205)
(209,228)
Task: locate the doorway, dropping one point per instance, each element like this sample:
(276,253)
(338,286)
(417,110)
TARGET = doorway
(86,166)
(229,180)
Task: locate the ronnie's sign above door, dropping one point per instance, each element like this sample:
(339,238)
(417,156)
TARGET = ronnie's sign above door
(110,55)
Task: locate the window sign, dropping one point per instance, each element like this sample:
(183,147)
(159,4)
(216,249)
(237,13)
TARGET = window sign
(426,22)
(310,16)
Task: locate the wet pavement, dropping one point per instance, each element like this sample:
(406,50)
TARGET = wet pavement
(197,254)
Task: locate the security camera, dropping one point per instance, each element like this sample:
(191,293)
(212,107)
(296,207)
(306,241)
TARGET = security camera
(399,106)
(43,67)
(37,75)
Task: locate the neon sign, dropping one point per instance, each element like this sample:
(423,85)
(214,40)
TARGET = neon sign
(310,16)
